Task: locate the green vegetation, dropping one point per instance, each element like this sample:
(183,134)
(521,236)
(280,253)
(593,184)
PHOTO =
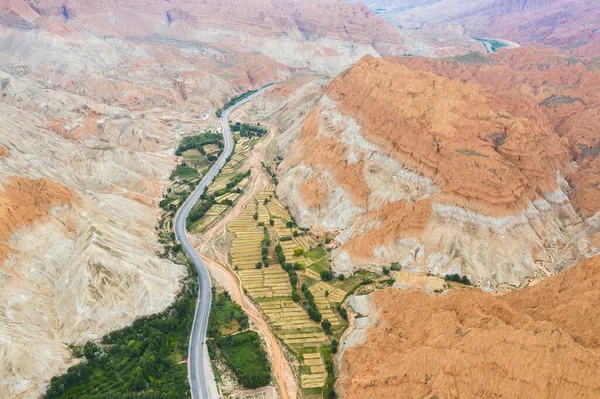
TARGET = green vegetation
(315,253)
(241,349)
(248,130)
(226,316)
(234,101)
(208,200)
(198,142)
(143,361)
(457,278)
(246,358)
(185,172)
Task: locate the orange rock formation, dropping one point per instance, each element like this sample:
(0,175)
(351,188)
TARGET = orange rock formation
(488,140)
(4,152)
(23,201)
(541,342)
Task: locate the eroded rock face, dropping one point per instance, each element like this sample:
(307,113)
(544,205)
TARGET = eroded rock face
(541,342)
(87,130)
(316,34)
(443,166)
(471,344)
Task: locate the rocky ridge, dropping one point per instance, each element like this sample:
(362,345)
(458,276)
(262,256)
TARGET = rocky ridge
(453,166)
(471,344)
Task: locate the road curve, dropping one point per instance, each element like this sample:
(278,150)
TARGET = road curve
(199,363)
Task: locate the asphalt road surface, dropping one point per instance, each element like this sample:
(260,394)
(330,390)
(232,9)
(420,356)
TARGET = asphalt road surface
(199,363)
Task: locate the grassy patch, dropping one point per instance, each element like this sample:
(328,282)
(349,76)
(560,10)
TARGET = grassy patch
(246,358)
(319,266)
(185,172)
(316,253)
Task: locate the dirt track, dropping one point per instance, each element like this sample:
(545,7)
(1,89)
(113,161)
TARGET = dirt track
(220,269)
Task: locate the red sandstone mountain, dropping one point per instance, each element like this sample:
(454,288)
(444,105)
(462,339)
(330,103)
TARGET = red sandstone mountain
(454,165)
(540,342)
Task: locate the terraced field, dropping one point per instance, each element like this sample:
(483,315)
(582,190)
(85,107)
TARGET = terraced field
(232,169)
(317,374)
(271,289)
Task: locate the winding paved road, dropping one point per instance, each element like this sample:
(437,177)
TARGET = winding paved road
(202,384)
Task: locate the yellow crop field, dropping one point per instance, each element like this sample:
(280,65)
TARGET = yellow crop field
(312,274)
(335,294)
(211,149)
(292,324)
(266,283)
(318,374)
(228,196)
(276,210)
(271,289)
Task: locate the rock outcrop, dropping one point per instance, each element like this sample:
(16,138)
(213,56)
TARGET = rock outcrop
(452,166)
(535,343)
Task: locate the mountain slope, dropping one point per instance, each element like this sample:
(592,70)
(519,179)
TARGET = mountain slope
(470,344)
(452,166)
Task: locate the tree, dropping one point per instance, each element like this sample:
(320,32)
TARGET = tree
(326,275)
(259,265)
(295,296)
(255,216)
(272,222)
(341,277)
(326,324)
(314,313)
(386,271)
(334,346)
(298,252)
(342,311)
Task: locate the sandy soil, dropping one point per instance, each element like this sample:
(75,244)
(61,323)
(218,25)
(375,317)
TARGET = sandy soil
(217,262)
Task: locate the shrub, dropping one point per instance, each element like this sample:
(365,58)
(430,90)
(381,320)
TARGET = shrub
(259,265)
(341,277)
(457,278)
(298,252)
